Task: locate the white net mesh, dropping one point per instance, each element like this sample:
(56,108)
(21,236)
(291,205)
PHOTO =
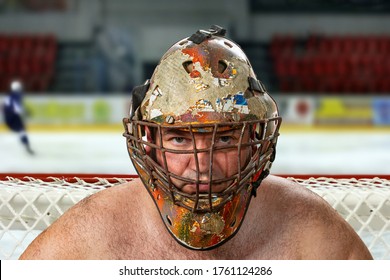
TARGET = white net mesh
(365,205)
(28,205)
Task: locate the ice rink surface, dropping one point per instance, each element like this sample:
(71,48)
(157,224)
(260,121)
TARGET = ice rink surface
(298,152)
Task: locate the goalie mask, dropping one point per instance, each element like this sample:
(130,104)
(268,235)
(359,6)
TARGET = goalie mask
(203,85)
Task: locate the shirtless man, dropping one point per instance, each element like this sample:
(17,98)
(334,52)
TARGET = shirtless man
(202,135)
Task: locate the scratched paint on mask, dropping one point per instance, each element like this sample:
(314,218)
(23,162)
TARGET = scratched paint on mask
(239,99)
(222,82)
(198,55)
(155,113)
(196,75)
(202,105)
(236,103)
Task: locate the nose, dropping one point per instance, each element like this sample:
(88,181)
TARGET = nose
(202,158)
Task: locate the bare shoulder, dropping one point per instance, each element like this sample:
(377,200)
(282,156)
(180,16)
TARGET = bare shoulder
(318,230)
(281,195)
(79,232)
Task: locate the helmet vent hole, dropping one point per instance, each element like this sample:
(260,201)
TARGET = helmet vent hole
(222,66)
(183,42)
(188,66)
(168,220)
(228,44)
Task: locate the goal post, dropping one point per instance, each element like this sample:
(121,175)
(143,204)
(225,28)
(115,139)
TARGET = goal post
(29,203)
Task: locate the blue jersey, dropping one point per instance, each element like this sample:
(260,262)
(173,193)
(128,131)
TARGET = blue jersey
(13,110)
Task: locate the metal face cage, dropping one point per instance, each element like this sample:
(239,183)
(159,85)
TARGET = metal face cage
(156,174)
(203,89)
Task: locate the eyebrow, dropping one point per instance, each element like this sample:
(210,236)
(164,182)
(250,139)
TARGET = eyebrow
(169,131)
(174,131)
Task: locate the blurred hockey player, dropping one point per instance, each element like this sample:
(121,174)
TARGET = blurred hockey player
(13,111)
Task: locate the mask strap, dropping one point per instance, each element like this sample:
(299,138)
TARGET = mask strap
(256,184)
(202,35)
(137,95)
(256,85)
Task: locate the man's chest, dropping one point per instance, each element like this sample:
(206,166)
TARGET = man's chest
(162,246)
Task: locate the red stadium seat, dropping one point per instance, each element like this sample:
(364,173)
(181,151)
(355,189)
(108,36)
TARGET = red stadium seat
(31,57)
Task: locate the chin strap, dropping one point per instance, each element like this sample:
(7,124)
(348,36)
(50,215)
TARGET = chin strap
(257,183)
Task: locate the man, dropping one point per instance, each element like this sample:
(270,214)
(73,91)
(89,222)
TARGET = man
(13,113)
(202,136)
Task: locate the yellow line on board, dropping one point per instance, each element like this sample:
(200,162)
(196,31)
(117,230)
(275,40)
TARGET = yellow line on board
(290,128)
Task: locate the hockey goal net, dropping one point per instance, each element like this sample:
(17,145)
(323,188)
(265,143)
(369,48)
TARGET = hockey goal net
(30,203)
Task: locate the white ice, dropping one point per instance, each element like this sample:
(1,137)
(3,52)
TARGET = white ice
(297,153)
(93,152)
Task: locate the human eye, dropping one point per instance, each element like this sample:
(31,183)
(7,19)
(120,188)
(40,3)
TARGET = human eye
(175,141)
(225,139)
(178,140)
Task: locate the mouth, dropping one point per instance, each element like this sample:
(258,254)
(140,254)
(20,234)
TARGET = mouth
(191,188)
(217,185)
(203,188)
(194,200)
